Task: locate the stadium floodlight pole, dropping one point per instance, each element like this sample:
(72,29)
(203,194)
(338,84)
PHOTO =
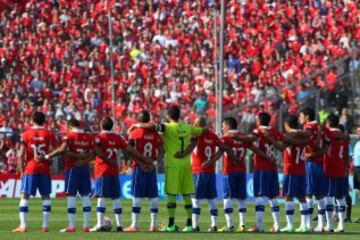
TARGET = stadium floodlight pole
(216,75)
(111,61)
(221,70)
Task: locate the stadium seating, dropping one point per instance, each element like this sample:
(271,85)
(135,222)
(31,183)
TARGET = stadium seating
(54,54)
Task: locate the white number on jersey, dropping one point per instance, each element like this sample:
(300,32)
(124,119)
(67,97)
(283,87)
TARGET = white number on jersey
(148,149)
(240,151)
(38,150)
(111,152)
(270,150)
(208,153)
(300,155)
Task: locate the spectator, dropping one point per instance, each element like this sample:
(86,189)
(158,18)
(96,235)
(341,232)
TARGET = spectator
(346,120)
(201,104)
(6,129)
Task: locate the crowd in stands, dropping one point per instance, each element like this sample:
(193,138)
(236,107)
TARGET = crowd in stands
(54,56)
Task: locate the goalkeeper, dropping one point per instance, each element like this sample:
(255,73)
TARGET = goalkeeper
(178,175)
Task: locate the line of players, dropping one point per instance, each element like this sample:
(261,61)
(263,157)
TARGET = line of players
(322,176)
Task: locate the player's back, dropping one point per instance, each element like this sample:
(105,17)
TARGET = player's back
(313,127)
(205,149)
(267,147)
(109,143)
(294,159)
(145,142)
(239,150)
(39,142)
(336,155)
(79,142)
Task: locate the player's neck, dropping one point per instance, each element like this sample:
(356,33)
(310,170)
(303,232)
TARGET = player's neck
(77,130)
(35,126)
(266,127)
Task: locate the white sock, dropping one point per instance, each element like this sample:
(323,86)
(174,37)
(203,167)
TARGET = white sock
(275,212)
(341,212)
(154,208)
(228,209)
(23,212)
(71,204)
(86,210)
(329,211)
(304,213)
(321,213)
(309,221)
(213,212)
(242,212)
(289,207)
(196,212)
(260,209)
(100,211)
(118,212)
(135,213)
(46,213)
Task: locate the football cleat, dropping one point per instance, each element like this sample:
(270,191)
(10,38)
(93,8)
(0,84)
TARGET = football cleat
(68,230)
(132,229)
(319,229)
(152,229)
(339,230)
(241,229)
(196,229)
(256,229)
(19,230)
(173,228)
(329,229)
(274,229)
(288,229)
(227,229)
(119,229)
(213,229)
(98,229)
(45,229)
(302,229)
(188,229)
(86,229)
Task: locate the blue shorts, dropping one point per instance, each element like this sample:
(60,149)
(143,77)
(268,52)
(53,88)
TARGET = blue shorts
(144,184)
(315,179)
(266,183)
(337,187)
(205,185)
(107,187)
(77,180)
(31,182)
(235,185)
(294,185)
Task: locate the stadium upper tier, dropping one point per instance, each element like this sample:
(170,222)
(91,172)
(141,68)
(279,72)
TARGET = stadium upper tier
(54,54)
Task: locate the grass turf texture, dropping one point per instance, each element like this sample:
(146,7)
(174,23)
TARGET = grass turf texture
(9,220)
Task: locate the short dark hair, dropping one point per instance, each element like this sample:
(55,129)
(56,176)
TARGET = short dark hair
(144,116)
(342,127)
(38,118)
(107,124)
(264,119)
(308,112)
(202,121)
(333,120)
(231,122)
(174,113)
(73,122)
(292,121)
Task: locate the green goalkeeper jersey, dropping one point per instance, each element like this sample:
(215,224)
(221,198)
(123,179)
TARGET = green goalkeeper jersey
(177,137)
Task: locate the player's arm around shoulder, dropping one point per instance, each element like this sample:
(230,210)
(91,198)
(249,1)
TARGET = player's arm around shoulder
(188,150)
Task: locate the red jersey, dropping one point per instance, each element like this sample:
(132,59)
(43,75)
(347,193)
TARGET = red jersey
(260,163)
(239,150)
(78,142)
(294,160)
(203,152)
(310,149)
(336,155)
(109,143)
(38,141)
(145,142)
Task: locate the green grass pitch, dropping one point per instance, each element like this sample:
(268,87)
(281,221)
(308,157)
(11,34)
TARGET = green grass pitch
(9,220)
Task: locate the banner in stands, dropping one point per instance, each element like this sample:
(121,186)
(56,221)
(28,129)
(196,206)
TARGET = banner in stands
(10,186)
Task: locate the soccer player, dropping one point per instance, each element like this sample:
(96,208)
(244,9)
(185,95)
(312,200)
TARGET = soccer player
(335,167)
(314,171)
(78,149)
(144,177)
(234,181)
(178,175)
(204,176)
(294,174)
(35,170)
(106,173)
